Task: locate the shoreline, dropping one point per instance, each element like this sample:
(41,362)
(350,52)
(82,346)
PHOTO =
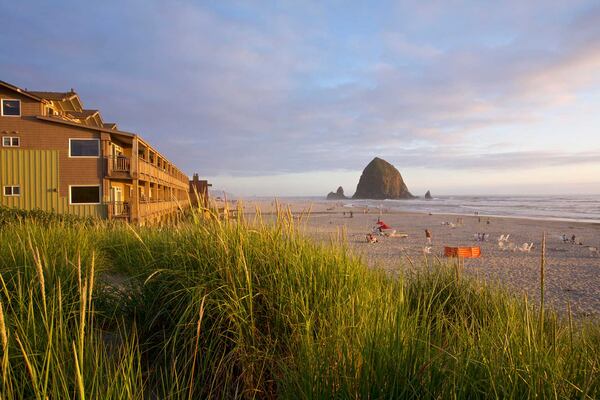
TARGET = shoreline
(410,212)
(541,219)
(587,221)
(568,208)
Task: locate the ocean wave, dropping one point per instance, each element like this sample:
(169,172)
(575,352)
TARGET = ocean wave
(575,208)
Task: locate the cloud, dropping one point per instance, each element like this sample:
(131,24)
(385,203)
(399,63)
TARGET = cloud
(516,160)
(269,90)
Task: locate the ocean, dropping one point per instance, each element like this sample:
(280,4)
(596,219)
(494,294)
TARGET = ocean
(564,208)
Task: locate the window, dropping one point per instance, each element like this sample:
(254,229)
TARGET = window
(8,141)
(84,194)
(11,108)
(84,148)
(12,191)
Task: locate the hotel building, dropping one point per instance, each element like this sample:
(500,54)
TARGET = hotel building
(57,156)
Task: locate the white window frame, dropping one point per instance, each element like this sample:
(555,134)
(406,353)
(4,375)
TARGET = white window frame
(10,138)
(85,204)
(11,190)
(99,150)
(2,107)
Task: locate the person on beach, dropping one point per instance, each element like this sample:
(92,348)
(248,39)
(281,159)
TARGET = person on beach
(380,226)
(371,238)
(428,236)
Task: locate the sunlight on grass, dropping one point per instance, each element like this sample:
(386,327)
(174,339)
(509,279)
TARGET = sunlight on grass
(245,309)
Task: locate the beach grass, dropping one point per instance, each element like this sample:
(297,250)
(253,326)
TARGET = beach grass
(215,308)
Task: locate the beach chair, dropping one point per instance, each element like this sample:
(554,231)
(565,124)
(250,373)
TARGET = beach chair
(504,238)
(427,250)
(526,247)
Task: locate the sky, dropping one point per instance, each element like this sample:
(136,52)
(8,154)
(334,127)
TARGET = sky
(285,98)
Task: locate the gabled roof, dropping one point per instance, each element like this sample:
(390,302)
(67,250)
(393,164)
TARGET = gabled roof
(78,125)
(82,114)
(111,128)
(19,90)
(53,96)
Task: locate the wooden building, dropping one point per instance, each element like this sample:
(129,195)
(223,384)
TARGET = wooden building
(57,156)
(199,191)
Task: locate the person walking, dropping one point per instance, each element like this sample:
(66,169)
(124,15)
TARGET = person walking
(428,236)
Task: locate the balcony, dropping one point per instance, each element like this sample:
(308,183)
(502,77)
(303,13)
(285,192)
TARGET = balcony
(118,209)
(122,167)
(121,164)
(118,167)
(151,172)
(151,208)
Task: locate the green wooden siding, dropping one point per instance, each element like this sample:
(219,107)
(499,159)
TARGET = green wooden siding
(37,173)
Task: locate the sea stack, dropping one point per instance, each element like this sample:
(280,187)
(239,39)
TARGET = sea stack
(428,195)
(381,180)
(337,195)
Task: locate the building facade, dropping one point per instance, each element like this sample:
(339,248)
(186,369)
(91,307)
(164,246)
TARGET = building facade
(57,156)
(199,191)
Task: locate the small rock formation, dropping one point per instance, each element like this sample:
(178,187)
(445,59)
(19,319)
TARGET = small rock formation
(428,195)
(337,195)
(381,180)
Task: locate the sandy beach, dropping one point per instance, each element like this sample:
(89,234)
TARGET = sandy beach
(572,270)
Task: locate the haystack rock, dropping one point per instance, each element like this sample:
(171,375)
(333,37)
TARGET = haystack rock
(428,195)
(381,180)
(337,195)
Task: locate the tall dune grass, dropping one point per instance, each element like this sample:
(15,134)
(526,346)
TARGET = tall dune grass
(243,309)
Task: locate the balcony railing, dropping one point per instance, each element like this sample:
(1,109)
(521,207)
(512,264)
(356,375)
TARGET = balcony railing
(118,208)
(153,207)
(120,163)
(147,169)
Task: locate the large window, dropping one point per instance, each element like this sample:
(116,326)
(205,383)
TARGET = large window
(11,108)
(84,194)
(12,191)
(84,148)
(10,141)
